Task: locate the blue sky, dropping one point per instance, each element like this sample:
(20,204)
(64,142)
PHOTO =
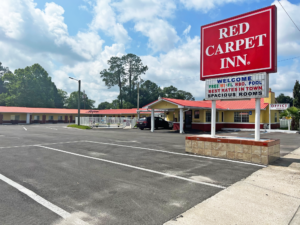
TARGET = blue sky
(77,37)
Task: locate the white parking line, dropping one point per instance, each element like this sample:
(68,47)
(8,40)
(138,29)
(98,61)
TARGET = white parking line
(25,128)
(59,211)
(19,146)
(51,128)
(177,153)
(134,167)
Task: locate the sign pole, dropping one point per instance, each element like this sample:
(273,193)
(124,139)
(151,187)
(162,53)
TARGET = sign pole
(257,119)
(213,118)
(269,116)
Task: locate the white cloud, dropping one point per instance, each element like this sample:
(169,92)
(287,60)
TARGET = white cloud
(41,36)
(162,36)
(179,67)
(284,80)
(187,30)
(105,20)
(144,10)
(206,5)
(83,7)
(288,36)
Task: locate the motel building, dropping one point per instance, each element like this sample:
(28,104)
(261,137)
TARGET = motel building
(184,114)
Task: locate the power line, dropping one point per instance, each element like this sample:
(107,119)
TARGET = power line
(288,59)
(288,15)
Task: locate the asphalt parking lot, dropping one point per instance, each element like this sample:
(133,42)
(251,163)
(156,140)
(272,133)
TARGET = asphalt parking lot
(108,176)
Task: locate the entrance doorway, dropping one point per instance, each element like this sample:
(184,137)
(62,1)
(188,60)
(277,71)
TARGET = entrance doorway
(188,120)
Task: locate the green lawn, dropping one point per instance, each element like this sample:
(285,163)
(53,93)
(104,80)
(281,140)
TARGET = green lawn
(79,127)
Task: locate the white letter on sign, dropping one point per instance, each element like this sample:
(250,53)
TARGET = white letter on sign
(232,29)
(207,49)
(239,58)
(249,43)
(260,39)
(241,27)
(238,44)
(223,32)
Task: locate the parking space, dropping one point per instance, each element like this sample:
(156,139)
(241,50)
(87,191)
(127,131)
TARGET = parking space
(107,176)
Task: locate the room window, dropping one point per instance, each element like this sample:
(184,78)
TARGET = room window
(241,117)
(50,118)
(245,117)
(196,114)
(237,117)
(60,117)
(217,118)
(36,117)
(208,117)
(275,117)
(15,117)
(222,117)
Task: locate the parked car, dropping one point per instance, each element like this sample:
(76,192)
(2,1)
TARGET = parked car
(145,122)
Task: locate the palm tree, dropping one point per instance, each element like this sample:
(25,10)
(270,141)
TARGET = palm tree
(292,113)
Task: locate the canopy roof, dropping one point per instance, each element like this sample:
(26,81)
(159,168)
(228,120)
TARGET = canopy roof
(226,105)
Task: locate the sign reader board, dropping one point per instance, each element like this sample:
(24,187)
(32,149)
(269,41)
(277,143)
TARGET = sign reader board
(243,44)
(279,106)
(246,86)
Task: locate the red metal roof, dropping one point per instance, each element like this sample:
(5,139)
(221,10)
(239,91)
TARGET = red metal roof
(241,104)
(231,105)
(14,109)
(226,105)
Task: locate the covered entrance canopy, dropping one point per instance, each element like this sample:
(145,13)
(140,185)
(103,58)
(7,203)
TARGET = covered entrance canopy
(197,114)
(174,107)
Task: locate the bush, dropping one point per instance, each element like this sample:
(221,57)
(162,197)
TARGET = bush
(79,127)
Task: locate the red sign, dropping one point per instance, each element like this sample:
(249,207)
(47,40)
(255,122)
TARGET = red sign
(239,45)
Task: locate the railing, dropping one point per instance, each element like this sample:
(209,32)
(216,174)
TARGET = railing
(284,123)
(107,121)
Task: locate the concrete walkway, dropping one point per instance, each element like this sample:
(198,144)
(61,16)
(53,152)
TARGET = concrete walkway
(263,130)
(269,196)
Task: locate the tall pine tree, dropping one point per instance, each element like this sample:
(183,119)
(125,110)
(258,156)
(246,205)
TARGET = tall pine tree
(296,93)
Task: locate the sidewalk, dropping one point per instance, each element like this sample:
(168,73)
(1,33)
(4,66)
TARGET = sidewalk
(269,196)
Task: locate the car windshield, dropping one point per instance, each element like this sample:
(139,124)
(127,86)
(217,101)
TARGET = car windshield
(142,119)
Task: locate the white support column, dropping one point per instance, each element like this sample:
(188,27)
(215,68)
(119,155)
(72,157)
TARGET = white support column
(213,118)
(181,121)
(28,118)
(269,116)
(257,119)
(152,120)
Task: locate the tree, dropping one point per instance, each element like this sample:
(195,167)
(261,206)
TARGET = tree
(296,94)
(124,72)
(30,87)
(173,92)
(104,105)
(133,68)
(284,99)
(72,101)
(149,92)
(62,98)
(114,75)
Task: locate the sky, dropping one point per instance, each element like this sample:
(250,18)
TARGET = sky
(77,37)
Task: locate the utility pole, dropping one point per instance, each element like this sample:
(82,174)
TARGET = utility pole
(79,102)
(78,98)
(138,100)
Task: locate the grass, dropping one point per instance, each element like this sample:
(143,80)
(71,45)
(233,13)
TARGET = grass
(79,127)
